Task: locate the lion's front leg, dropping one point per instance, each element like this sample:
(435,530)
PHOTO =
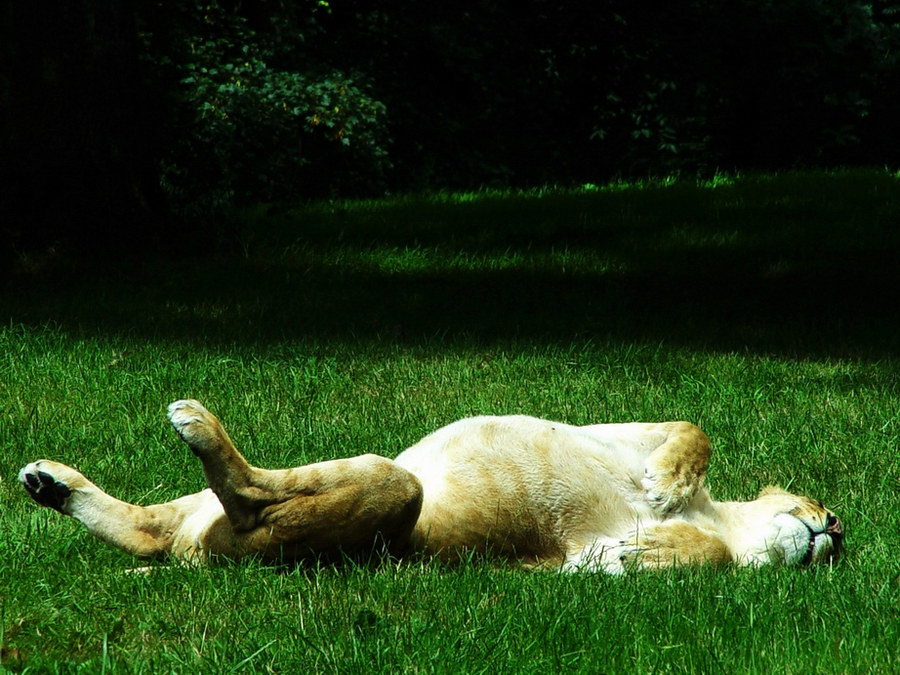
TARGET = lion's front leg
(141,531)
(339,505)
(673,542)
(675,471)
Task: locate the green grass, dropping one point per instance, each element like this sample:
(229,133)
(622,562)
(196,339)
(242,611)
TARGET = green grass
(762,308)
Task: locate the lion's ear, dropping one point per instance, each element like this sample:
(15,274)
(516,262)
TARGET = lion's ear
(772,490)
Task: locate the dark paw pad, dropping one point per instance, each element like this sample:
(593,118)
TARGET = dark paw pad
(46,490)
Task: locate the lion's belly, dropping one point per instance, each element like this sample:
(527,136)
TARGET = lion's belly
(204,531)
(520,487)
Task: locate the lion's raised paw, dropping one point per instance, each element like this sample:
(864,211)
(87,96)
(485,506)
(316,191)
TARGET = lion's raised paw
(43,486)
(193,423)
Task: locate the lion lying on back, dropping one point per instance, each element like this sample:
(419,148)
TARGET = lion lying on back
(609,497)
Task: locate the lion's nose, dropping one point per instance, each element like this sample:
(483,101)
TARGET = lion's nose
(834,528)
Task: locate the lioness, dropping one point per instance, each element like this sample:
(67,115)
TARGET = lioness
(609,497)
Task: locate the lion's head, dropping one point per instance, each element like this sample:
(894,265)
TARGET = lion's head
(787,529)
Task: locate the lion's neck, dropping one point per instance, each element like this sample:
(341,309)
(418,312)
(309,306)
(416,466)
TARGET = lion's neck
(733,522)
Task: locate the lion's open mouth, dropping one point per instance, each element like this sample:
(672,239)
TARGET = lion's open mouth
(834,534)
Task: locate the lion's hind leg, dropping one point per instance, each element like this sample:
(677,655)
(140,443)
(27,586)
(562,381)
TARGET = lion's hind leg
(227,472)
(141,531)
(339,505)
(675,471)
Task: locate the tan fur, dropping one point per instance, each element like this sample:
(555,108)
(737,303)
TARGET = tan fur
(608,497)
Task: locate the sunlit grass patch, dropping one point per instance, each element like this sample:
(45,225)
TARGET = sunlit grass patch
(758,308)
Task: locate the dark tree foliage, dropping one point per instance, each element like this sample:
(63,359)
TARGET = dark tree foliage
(538,91)
(107,104)
(255,114)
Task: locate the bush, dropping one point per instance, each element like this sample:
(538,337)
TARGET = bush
(249,125)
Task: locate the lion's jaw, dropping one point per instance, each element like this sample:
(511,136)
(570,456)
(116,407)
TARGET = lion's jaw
(779,528)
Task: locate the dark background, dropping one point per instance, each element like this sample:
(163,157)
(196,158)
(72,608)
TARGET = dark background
(125,119)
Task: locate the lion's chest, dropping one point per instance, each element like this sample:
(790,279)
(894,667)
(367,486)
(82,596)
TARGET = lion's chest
(526,485)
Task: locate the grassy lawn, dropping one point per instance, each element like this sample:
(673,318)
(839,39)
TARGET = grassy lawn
(764,309)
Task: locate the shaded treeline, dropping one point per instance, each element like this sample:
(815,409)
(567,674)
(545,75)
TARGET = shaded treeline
(119,114)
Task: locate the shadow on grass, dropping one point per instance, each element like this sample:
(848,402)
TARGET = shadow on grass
(712,304)
(789,270)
